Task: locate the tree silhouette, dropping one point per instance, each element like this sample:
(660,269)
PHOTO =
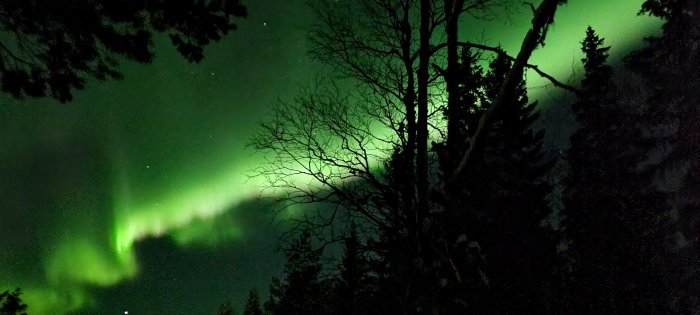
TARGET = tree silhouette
(252,305)
(11,303)
(353,289)
(594,210)
(491,230)
(225,309)
(46,51)
(616,217)
(329,144)
(671,120)
(477,242)
(543,18)
(301,292)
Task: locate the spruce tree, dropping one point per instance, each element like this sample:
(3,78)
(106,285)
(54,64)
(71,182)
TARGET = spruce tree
(301,292)
(225,309)
(11,303)
(252,305)
(394,264)
(509,187)
(355,289)
(587,210)
(671,71)
(493,215)
(612,210)
(457,260)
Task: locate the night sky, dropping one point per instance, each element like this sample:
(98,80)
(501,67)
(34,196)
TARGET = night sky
(136,196)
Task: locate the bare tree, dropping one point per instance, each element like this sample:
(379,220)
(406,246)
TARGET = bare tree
(337,132)
(323,148)
(357,138)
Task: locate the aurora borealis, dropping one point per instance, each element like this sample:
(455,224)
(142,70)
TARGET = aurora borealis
(137,194)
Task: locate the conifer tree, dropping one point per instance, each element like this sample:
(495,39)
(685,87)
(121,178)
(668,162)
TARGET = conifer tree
(301,292)
(613,212)
(11,303)
(252,305)
(509,187)
(671,71)
(457,248)
(353,291)
(225,309)
(592,203)
(493,216)
(428,258)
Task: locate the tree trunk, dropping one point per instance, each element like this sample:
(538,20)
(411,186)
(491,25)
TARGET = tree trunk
(544,15)
(422,126)
(454,137)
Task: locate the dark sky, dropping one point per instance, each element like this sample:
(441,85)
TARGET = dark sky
(136,196)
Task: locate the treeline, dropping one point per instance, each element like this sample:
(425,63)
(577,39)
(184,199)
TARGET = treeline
(459,219)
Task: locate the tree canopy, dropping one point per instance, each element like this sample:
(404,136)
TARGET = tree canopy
(50,48)
(457,215)
(11,303)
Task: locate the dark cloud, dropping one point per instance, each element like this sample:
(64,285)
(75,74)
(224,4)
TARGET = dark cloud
(196,278)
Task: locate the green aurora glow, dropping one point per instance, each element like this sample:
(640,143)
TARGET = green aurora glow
(163,152)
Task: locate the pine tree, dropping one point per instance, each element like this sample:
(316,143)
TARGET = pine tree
(458,257)
(498,249)
(11,303)
(463,116)
(671,72)
(277,292)
(252,305)
(583,196)
(394,264)
(509,189)
(225,309)
(352,291)
(612,210)
(301,292)
(597,83)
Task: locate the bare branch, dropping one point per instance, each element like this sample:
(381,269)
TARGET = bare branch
(535,36)
(501,52)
